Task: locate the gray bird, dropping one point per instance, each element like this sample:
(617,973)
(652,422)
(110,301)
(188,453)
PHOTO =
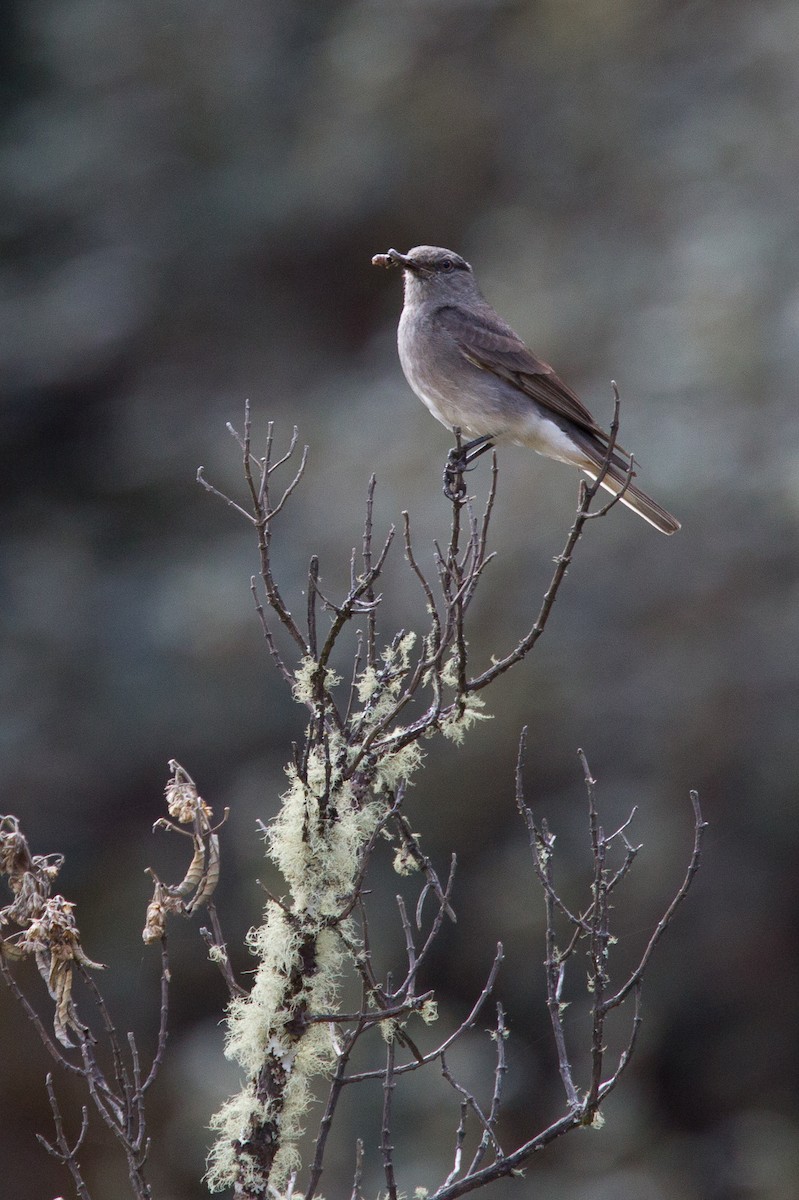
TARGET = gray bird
(474,373)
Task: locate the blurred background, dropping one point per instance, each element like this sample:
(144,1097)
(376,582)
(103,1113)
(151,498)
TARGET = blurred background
(192,193)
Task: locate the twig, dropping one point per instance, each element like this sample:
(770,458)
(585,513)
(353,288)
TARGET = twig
(460,1133)
(65,1153)
(433,1055)
(500,1071)
(35,1019)
(700,825)
(598,945)
(357,1181)
(162,1026)
(270,641)
(334,1095)
(215,941)
(469,1101)
(386,1145)
(371,655)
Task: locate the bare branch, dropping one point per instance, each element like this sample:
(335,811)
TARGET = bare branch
(270,641)
(469,1101)
(215,941)
(434,1055)
(489,1137)
(386,1144)
(460,1133)
(65,1153)
(700,825)
(371,632)
(357,1181)
(209,487)
(162,1027)
(326,1123)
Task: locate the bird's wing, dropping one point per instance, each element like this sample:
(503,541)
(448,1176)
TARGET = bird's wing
(488,342)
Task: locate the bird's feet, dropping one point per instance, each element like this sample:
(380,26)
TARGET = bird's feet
(459,460)
(457,463)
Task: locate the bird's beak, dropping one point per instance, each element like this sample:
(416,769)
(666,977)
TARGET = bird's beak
(393,258)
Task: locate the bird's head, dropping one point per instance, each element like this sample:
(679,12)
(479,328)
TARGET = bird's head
(430,271)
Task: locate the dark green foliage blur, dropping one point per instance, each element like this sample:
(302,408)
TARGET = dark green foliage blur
(192,191)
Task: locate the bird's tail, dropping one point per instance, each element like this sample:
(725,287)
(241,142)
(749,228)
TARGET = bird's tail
(634,498)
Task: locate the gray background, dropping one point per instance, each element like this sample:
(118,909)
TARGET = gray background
(191,195)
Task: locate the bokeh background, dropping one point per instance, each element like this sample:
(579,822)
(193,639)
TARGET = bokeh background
(192,192)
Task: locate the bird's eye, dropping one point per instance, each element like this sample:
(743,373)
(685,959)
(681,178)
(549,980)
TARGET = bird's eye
(447,264)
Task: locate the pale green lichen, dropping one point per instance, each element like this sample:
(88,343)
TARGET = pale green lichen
(225,1165)
(379,689)
(544,851)
(367,683)
(258,1018)
(429,1012)
(316,845)
(465,709)
(399,656)
(257,1030)
(462,716)
(305,680)
(496,1034)
(398,766)
(315,1054)
(404,861)
(316,841)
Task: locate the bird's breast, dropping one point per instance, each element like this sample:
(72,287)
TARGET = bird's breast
(455,391)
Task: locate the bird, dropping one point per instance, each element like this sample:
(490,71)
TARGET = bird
(475,374)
